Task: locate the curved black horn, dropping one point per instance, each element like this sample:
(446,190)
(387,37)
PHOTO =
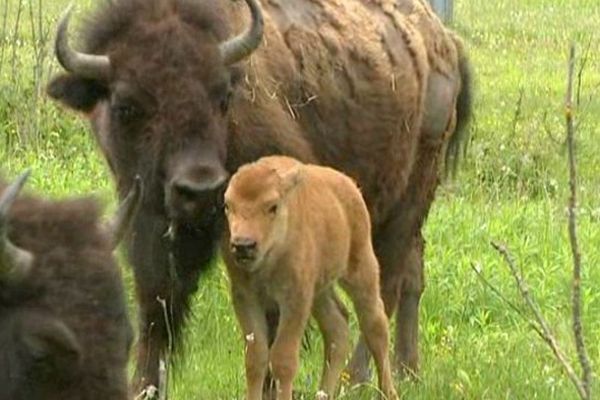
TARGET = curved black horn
(243,45)
(15,263)
(121,222)
(86,65)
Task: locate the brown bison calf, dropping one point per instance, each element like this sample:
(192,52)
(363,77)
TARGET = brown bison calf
(294,229)
(64,329)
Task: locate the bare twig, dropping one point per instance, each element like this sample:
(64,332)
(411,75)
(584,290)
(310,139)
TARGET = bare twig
(582,64)
(576,293)
(517,113)
(544,331)
(3,33)
(165,362)
(513,306)
(548,130)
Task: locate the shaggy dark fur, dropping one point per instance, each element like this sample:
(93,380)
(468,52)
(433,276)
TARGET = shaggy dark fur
(336,82)
(64,330)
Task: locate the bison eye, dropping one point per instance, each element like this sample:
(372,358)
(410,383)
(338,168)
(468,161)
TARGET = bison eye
(125,113)
(225,102)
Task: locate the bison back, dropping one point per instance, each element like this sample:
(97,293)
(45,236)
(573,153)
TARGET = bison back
(337,82)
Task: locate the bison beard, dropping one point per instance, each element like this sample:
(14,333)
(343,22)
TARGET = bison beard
(182,248)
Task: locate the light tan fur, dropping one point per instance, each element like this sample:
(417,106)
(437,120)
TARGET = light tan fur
(311,228)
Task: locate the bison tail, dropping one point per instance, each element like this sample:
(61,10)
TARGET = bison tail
(457,145)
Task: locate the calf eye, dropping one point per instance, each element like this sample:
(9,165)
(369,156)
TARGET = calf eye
(226,208)
(273,209)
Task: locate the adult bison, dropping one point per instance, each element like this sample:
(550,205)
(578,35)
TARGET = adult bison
(64,329)
(375,88)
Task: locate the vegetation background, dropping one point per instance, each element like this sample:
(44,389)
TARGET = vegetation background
(512,187)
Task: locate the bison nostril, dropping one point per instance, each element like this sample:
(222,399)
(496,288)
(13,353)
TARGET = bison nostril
(186,190)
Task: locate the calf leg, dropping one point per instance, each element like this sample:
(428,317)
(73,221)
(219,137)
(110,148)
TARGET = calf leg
(334,328)
(358,367)
(285,351)
(269,389)
(254,328)
(362,285)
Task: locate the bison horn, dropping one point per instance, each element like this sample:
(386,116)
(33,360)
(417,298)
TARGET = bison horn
(15,263)
(121,222)
(243,45)
(86,65)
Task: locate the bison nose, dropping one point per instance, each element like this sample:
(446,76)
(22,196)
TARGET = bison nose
(197,180)
(191,193)
(189,184)
(243,246)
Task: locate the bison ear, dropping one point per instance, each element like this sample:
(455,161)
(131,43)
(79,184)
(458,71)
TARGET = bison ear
(51,345)
(78,93)
(291,179)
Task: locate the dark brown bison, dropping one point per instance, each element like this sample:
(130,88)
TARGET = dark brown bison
(64,329)
(183,92)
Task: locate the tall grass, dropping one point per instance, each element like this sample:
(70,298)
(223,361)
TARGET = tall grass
(512,187)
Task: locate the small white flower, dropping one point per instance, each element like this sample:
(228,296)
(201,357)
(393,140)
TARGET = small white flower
(250,337)
(321,395)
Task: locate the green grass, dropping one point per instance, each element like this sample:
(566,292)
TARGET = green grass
(512,187)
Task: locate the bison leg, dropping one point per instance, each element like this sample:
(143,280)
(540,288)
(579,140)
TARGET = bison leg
(157,337)
(407,315)
(160,279)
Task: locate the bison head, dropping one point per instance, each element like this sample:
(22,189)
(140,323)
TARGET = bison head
(64,331)
(257,206)
(155,81)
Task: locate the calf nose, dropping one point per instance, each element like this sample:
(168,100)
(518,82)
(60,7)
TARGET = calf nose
(243,246)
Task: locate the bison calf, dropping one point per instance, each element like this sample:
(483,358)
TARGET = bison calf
(64,329)
(294,229)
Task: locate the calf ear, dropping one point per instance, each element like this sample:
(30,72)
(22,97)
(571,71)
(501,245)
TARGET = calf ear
(77,93)
(291,179)
(51,345)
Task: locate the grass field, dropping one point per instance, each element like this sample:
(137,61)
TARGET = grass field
(512,187)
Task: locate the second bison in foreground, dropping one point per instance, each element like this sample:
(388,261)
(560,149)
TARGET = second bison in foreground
(294,229)
(64,329)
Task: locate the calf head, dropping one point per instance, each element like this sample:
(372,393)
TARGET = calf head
(155,81)
(257,206)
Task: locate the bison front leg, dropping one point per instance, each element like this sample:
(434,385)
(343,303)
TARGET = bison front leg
(164,287)
(149,255)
